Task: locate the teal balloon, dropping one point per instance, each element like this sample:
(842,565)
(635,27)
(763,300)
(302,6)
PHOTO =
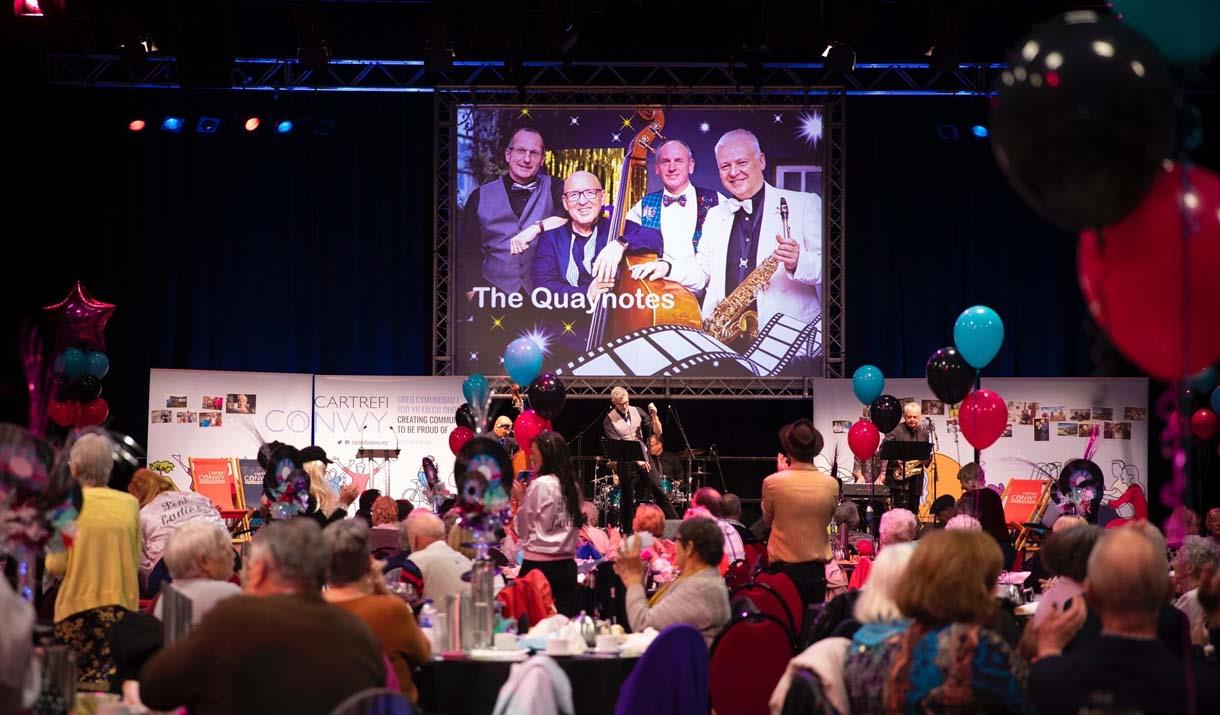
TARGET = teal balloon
(1216,400)
(73,360)
(868,383)
(523,361)
(476,388)
(1183,30)
(97,364)
(1205,379)
(978,334)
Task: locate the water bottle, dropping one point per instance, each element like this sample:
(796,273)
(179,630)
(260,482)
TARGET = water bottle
(427,619)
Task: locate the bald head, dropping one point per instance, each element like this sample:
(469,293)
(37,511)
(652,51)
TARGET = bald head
(423,529)
(582,199)
(1128,575)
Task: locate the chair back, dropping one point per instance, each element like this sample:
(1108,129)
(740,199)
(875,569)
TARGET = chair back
(783,585)
(756,556)
(671,677)
(748,658)
(737,575)
(375,701)
(766,600)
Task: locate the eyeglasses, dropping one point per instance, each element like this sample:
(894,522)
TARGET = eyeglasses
(587,194)
(519,152)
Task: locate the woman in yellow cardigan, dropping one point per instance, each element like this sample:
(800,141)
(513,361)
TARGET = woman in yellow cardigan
(100,570)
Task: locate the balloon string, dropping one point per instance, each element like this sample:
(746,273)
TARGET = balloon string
(1172,448)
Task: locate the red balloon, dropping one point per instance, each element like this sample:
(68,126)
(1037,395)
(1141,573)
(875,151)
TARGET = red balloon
(459,437)
(64,414)
(79,320)
(529,425)
(1204,423)
(982,418)
(863,438)
(95,412)
(1132,277)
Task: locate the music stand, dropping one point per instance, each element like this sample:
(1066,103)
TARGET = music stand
(896,451)
(626,452)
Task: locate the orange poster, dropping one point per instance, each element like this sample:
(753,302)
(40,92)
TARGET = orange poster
(1020,497)
(216,480)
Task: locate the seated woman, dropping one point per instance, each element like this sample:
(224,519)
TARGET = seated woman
(354,583)
(101,568)
(945,660)
(384,536)
(200,558)
(698,597)
(649,518)
(163,509)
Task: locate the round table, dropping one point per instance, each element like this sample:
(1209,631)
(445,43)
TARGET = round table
(462,686)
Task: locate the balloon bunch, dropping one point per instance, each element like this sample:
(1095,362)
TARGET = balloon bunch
(977,335)
(1084,127)
(867,382)
(78,322)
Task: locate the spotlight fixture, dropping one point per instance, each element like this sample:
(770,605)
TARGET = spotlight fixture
(27,8)
(136,125)
(284,126)
(251,124)
(946,132)
(207,125)
(839,58)
(979,131)
(323,127)
(172,124)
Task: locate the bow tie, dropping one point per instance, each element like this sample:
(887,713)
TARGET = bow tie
(525,187)
(667,200)
(746,205)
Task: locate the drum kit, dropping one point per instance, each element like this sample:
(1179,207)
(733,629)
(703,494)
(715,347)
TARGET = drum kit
(608,494)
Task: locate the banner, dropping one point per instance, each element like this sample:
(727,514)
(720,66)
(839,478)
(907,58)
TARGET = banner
(410,416)
(712,215)
(208,414)
(1049,423)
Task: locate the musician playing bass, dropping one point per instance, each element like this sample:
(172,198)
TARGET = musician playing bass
(906,479)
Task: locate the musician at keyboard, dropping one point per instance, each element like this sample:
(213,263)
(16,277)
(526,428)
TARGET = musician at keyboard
(906,479)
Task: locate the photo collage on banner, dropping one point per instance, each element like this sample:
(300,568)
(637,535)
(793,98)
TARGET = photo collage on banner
(1050,421)
(377,430)
(711,216)
(217,420)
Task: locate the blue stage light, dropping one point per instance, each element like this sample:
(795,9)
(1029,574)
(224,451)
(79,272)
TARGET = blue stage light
(284,126)
(172,124)
(979,131)
(208,125)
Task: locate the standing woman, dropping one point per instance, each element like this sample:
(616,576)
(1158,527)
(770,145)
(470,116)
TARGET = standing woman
(549,519)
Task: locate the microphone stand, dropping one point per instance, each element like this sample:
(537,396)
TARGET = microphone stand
(682,431)
(719,470)
(935,467)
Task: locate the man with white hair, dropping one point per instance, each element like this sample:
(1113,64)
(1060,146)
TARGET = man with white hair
(1126,668)
(199,556)
(277,648)
(624,422)
(442,567)
(743,231)
(678,212)
(906,478)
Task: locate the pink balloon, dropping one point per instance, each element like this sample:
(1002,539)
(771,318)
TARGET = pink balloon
(863,438)
(79,319)
(459,437)
(1204,423)
(529,425)
(982,418)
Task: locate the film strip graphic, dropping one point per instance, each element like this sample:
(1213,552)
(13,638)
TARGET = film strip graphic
(671,350)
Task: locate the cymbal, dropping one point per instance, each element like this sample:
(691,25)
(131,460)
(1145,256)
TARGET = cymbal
(692,453)
(699,473)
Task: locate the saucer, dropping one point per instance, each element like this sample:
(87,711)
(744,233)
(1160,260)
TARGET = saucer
(609,651)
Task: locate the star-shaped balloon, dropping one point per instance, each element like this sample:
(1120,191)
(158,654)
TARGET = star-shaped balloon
(79,320)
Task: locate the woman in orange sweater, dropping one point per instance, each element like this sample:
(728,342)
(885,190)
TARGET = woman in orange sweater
(353,583)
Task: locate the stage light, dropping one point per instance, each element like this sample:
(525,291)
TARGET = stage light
(172,124)
(207,125)
(284,126)
(136,125)
(946,132)
(839,58)
(323,127)
(979,131)
(27,8)
(252,124)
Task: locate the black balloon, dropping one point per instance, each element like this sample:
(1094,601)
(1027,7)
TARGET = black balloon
(61,387)
(87,388)
(1084,117)
(464,417)
(546,395)
(950,376)
(886,413)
